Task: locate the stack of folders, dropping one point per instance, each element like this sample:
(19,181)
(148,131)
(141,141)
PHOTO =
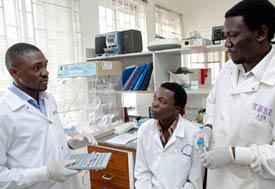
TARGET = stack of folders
(135,78)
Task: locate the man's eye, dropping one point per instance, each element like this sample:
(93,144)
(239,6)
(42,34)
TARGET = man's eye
(36,68)
(162,101)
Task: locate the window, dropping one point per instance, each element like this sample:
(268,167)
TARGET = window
(118,15)
(168,23)
(52,25)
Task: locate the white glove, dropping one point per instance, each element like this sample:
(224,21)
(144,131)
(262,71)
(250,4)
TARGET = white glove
(58,172)
(82,140)
(205,134)
(217,158)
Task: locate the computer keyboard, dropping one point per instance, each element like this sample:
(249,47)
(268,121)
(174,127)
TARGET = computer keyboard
(122,128)
(94,160)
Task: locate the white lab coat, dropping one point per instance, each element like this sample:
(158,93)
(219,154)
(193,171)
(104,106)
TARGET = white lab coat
(176,166)
(243,116)
(30,140)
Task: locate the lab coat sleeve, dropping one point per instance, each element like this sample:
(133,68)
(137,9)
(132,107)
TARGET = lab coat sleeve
(211,99)
(196,175)
(210,107)
(260,158)
(16,178)
(142,171)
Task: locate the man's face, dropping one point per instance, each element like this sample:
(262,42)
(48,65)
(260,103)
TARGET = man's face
(30,73)
(163,105)
(241,42)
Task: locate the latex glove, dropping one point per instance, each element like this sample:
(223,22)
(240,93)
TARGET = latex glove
(82,140)
(217,158)
(58,172)
(205,134)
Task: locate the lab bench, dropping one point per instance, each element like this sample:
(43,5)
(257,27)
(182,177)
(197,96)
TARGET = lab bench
(119,173)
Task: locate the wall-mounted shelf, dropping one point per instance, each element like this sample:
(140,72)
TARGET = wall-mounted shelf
(163,61)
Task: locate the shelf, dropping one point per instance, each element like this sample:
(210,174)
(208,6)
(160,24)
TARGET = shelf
(119,56)
(146,92)
(176,51)
(203,49)
(202,91)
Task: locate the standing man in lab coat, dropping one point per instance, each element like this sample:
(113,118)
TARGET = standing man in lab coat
(33,145)
(165,157)
(239,126)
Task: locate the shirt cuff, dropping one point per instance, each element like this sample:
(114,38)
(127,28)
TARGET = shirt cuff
(243,155)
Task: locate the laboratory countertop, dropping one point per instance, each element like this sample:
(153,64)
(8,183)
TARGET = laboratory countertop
(130,146)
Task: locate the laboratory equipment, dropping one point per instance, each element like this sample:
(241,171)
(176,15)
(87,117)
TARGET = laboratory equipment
(202,147)
(95,106)
(94,160)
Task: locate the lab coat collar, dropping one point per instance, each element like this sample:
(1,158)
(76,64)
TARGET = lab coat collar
(268,71)
(15,102)
(179,132)
(263,72)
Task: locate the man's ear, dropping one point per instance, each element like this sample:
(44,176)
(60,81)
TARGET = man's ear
(262,33)
(178,109)
(14,72)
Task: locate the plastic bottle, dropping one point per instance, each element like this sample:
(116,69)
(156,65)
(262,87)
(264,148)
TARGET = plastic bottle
(202,146)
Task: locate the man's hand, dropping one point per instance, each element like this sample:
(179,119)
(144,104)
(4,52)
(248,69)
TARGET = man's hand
(58,172)
(82,140)
(217,158)
(205,134)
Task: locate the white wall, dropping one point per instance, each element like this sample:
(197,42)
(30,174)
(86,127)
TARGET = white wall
(202,15)
(90,25)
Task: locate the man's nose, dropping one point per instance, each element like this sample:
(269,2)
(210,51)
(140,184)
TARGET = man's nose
(228,44)
(45,72)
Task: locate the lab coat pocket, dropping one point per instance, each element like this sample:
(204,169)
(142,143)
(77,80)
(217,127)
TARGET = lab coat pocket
(255,131)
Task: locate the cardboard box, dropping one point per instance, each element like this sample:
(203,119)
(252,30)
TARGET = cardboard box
(105,68)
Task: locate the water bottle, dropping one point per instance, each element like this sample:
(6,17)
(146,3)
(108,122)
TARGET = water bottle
(202,146)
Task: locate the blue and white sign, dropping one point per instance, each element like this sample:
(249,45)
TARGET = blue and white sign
(77,70)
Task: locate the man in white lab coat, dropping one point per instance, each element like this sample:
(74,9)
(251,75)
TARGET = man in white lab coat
(241,107)
(33,145)
(165,157)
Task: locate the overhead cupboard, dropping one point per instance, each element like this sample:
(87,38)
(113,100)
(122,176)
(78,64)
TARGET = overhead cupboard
(166,62)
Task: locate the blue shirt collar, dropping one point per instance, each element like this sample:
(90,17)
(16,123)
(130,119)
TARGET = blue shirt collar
(24,96)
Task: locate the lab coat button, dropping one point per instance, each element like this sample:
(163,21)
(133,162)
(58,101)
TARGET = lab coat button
(221,117)
(253,88)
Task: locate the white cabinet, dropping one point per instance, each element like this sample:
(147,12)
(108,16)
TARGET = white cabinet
(164,61)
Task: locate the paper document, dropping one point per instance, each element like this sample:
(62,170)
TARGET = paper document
(122,139)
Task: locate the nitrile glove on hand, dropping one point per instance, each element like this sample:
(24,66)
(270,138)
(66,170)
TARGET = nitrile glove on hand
(82,140)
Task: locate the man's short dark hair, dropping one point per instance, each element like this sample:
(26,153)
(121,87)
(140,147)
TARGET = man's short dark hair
(179,93)
(255,13)
(16,50)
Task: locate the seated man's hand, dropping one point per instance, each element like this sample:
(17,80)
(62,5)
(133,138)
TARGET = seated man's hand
(58,172)
(82,140)
(217,158)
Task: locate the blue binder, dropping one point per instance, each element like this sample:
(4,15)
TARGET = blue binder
(140,71)
(124,77)
(142,77)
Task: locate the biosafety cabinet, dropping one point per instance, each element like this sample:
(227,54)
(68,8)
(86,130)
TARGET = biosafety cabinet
(90,96)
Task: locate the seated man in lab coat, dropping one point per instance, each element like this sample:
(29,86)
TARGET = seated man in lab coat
(33,145)
(165,157)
